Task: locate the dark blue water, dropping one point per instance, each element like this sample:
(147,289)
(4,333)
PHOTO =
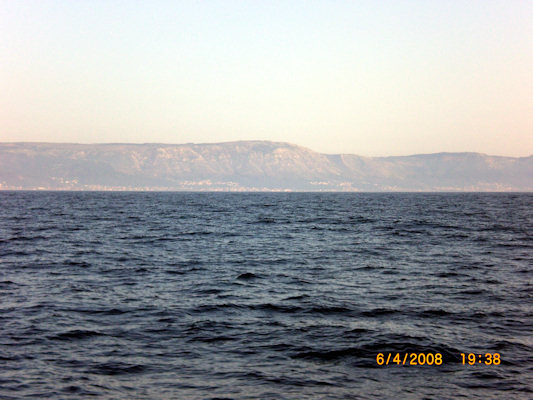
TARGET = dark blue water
(263,296)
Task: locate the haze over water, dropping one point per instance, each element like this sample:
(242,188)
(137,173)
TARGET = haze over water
(271,296)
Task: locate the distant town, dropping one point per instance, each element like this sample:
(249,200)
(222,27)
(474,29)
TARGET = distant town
(250,166)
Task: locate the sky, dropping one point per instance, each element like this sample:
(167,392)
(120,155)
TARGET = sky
(374,78)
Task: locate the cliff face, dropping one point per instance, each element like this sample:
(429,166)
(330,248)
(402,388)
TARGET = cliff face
(249,165)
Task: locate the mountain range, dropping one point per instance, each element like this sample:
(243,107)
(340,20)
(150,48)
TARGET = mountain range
(250,166)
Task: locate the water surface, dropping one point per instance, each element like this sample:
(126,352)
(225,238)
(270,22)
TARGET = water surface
(270,296)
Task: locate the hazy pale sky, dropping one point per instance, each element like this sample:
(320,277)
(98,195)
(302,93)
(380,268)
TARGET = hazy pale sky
(364,77)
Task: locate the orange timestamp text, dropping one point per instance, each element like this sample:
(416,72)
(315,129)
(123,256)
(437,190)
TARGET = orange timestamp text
(435,359)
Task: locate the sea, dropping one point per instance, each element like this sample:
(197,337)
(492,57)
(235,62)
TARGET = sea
(173,295)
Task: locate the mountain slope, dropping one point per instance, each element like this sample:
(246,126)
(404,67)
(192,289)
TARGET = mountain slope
(249,165)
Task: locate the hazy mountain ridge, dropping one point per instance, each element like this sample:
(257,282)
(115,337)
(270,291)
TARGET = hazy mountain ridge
(250,165)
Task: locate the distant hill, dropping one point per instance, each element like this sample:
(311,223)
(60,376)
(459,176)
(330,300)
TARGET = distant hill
(250,165)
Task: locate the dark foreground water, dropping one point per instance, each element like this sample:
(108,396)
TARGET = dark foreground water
(264,296)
